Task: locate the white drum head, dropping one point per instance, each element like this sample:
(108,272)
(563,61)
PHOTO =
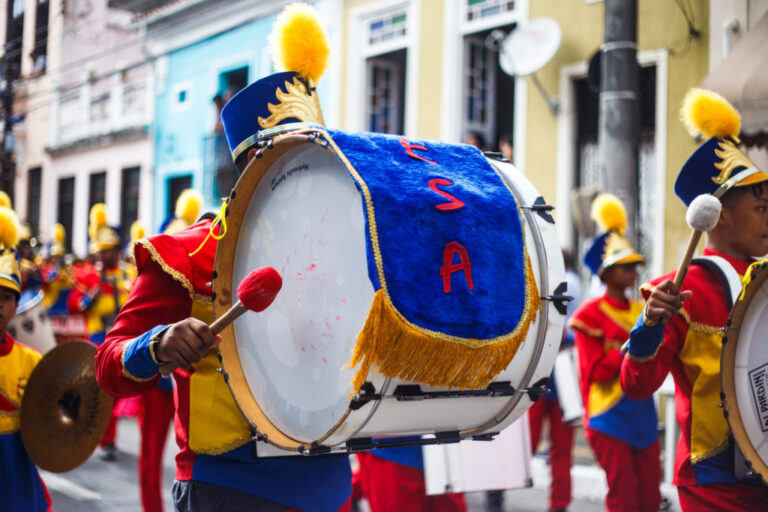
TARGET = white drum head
(305,219)
(744,373)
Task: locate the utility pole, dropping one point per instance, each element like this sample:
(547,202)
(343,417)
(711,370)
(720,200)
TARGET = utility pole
(619,121)
(7,163)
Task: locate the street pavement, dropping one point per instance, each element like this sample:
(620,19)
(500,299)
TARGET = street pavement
(99,486)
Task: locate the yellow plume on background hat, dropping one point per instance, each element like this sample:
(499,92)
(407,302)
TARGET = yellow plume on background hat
(707,114)
(102,236)
(57,244)
(609,213)
(10,276)
(188,205)
(137,230)
(299,42)
(5,200)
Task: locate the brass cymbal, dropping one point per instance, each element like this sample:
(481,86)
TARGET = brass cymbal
(64,412)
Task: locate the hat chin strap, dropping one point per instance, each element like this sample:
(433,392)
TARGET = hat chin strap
(733,180)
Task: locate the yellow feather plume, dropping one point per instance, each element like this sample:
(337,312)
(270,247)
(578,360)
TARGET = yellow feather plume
(97,219)
(609,213)
(59,233)
(9,228)
(137,230)
(299,42)
(5,200)
(188,205)
(706,113)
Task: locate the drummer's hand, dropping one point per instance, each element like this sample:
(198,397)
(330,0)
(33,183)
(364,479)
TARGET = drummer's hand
(186,342)
(664,303)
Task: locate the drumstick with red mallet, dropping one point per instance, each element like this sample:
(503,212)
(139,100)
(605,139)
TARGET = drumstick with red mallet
(255,293)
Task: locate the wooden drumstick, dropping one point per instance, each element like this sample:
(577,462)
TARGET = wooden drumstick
(702,216)
(255,293)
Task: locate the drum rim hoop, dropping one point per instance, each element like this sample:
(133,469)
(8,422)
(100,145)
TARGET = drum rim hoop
(728,374)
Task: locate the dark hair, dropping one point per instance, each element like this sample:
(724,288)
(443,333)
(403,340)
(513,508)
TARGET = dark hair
(508,138)
(478,136)
(735,193)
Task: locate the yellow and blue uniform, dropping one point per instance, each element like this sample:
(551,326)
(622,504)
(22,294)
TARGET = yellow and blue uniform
(21,488)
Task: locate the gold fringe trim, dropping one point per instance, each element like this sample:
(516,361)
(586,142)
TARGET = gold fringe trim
(403,350)
(696,326)
(581,326)
(709,453)
(175,274)
(128,374)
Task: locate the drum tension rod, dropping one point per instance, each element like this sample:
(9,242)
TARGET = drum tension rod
(367,443)
(541,207)
(413,392)
(538,390)
(559,298)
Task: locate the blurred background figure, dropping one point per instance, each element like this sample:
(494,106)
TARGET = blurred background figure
(621,431)
(56,275)
(506,146)
(476,139)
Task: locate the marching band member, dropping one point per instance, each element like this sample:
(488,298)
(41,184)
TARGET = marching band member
(166,320)
(57,278)
(99,293)
(681,330)
(21,488)
(31,277)
(621,431)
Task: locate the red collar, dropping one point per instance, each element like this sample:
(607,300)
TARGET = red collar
(739,265)
(6,345)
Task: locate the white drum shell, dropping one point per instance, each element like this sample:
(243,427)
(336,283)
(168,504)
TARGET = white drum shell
(471,416)
(567,383)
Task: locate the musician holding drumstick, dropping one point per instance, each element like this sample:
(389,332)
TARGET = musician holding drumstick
(681,328)
(165,321)
(621,431)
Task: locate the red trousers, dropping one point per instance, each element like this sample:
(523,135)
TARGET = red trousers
(390,486)
(154,415)
(723,497)
(633,475)
(561,443)
(111,433)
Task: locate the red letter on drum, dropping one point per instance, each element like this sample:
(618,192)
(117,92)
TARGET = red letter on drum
(410,147)
(454,204)
(449,267)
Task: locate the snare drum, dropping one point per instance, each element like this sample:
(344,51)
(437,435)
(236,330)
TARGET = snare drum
(31,326)
(297,208)
(744,372)
(566,375)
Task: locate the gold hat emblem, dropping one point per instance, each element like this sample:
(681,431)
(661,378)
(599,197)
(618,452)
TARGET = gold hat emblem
(297,103)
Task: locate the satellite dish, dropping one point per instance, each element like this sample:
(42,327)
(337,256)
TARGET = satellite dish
(530,46)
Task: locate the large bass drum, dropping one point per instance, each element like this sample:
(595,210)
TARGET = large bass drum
(297,208)
(744,373)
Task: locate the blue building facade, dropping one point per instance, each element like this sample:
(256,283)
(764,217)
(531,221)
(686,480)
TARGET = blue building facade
(189,148)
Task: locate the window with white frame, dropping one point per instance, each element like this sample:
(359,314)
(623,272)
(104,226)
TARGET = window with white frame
(385,42)
(479,87)
(385,93)
(487,92)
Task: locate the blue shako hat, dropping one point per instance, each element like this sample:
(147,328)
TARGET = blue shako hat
(275,100)
(610,248)
(276,103)
(718,164)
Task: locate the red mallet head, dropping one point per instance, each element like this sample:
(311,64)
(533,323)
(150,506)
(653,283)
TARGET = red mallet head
(259,288)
